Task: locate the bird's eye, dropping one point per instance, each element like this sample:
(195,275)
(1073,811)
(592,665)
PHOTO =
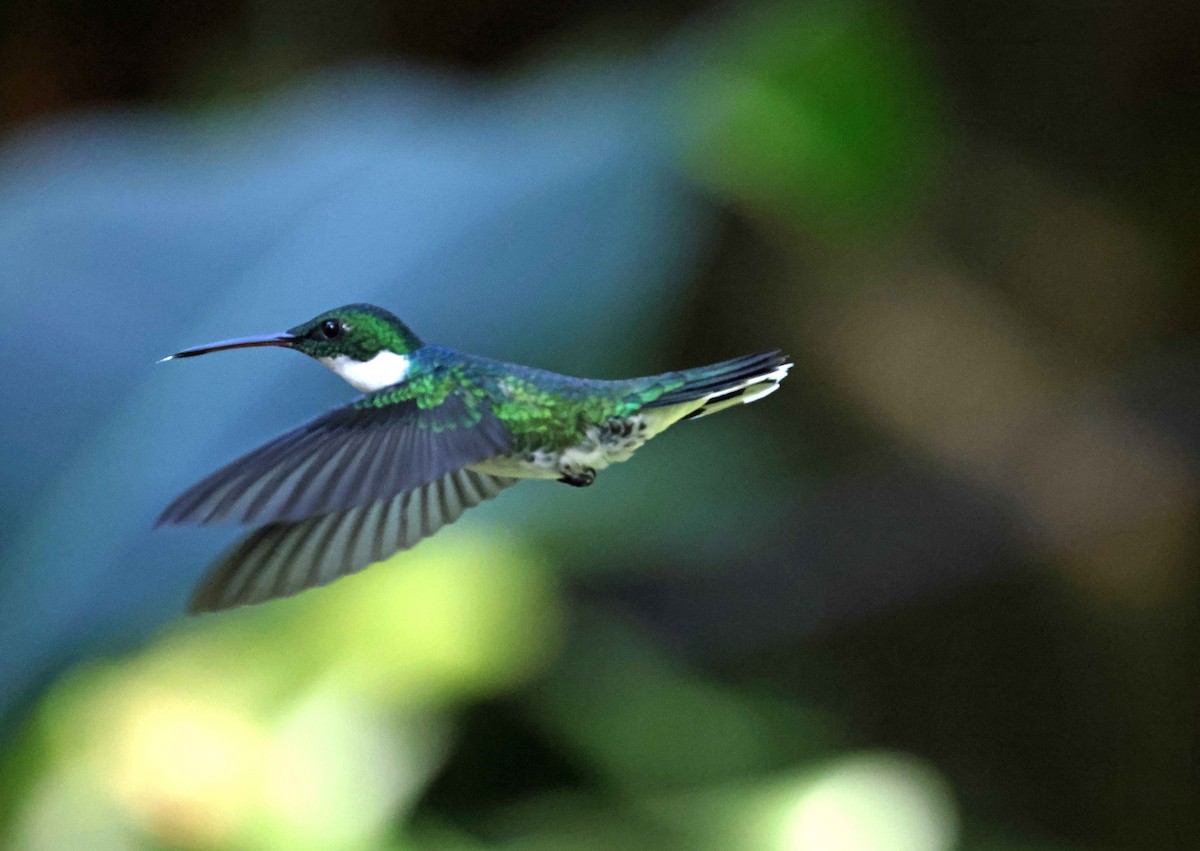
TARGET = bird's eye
(331,328)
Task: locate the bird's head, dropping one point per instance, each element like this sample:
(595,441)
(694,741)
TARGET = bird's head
(365,345)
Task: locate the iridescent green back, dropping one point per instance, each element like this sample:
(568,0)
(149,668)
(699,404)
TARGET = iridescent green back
(542,410)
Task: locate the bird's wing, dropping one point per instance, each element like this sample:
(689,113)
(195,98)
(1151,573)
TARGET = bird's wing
(381,445)
(284,558)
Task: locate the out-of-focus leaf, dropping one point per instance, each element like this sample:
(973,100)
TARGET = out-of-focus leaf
(819,113)
(306,723)
(642,723)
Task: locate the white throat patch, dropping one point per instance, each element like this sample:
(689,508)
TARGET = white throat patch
(383,370)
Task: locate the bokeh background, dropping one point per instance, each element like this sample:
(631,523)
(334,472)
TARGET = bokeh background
(939,592)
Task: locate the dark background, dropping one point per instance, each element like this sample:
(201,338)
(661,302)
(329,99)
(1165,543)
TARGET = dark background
(938,592)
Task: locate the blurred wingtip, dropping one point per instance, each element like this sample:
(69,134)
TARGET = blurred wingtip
(201,604)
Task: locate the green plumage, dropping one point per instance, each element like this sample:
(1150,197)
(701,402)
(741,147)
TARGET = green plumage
(543,410)
(375,330)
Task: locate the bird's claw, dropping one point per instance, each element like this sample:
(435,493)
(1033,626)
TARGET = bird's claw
(579,479)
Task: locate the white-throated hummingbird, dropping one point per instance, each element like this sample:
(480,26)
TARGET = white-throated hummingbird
(436,432)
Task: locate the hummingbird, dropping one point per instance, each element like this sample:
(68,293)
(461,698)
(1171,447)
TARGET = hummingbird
(435,432)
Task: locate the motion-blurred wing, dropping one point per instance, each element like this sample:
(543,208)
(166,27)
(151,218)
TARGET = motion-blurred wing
(284,558)
(353,456)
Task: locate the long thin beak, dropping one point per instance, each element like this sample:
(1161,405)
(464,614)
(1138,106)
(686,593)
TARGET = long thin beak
(284,340)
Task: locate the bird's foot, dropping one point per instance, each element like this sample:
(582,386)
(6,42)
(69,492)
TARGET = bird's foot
(579,478)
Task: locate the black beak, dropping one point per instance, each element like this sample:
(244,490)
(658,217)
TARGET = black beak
(283,340)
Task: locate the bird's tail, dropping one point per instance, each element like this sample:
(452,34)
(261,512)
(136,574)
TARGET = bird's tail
(708,389)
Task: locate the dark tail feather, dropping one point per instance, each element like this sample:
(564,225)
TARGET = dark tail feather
(730,382)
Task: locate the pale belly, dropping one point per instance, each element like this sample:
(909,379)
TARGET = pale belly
(603,445)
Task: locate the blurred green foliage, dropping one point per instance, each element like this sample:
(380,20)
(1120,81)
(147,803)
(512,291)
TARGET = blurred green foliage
(304,725)
(819,113)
